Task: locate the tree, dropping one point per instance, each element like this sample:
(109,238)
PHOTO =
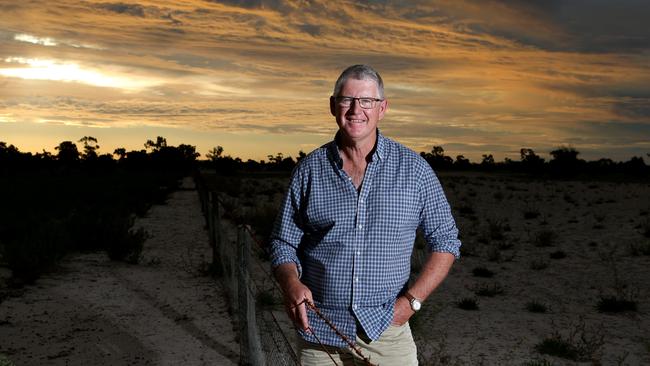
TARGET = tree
(565,160)
(160,143)
(437,159)
(462,162)
(68,152)
(121,152)
(488,160)
(188,152)
(530,160)
(215,153)
(90,147)
(301,155)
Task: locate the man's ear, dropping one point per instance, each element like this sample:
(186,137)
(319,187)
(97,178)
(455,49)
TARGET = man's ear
(333,106)
(383,107)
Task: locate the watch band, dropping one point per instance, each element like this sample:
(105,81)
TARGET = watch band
(414,302)
(411,297)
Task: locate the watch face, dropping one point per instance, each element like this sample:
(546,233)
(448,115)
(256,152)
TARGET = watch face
(415,305)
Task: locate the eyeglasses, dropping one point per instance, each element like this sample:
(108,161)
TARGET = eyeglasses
(365,103)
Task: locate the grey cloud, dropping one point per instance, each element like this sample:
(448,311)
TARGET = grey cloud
(607,133)
(122,8)
(411,130)
(633,108)
(311,29)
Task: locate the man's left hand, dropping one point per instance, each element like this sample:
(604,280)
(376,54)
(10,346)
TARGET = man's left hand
(402,312)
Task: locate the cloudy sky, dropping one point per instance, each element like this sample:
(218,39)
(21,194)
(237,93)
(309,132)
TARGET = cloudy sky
(473,76)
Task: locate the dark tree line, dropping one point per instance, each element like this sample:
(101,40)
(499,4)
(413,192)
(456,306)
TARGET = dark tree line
(76,200)
(564,162)
(157,154)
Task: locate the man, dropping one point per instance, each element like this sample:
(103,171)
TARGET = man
(344,236)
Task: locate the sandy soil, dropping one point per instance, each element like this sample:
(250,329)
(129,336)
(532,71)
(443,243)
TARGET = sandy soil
(594,228)
(92,311)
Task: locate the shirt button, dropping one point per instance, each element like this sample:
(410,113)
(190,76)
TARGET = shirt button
(358,252)
(356,279)
(360,226)
(354,306)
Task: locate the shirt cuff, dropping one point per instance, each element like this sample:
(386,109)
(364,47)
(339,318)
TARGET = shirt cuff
(287,259)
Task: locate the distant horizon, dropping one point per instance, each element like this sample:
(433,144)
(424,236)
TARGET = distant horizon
(475,77)
(515,157)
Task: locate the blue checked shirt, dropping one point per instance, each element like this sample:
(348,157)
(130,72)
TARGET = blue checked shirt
(353,249)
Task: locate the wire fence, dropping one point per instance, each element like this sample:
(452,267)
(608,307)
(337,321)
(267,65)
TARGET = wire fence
(265,334)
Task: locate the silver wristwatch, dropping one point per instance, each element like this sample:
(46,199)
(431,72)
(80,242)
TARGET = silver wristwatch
(415,303)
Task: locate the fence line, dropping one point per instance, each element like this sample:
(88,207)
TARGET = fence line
(233,263)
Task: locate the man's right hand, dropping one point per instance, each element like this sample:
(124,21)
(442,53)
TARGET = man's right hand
(295,294)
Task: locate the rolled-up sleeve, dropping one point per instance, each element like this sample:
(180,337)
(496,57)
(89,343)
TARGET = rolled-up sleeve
(436,220)
(287,232)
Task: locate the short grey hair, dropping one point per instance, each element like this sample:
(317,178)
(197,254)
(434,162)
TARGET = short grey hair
(359,72)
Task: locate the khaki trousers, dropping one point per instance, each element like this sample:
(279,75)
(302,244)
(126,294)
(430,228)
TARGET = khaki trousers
(395,347)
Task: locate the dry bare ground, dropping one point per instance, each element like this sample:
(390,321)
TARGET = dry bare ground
(92,311)
(538,258)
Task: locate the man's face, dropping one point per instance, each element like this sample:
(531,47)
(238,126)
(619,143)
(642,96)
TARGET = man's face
(356,123)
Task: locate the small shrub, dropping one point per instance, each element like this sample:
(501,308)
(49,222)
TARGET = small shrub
(531,213)
(559,347)
(581,344)
(467,303)
(538,362)
(465,210)
(488,289)
(544,238)
(496,229)
(558,254)
(637,249)
(482,272)
(536,307)
(615,304)
(538,264)
(498,195)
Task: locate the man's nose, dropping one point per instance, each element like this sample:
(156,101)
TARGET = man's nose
(355,105)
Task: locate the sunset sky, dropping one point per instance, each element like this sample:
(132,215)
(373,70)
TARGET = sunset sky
(472,76)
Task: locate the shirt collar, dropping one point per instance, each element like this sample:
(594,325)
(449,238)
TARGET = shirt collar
(379,153)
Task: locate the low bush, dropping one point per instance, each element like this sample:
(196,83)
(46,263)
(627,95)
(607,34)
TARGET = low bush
(467,303)
(581,344)
(616,304)
(558,254)
(488,289)
(539,264)
(482,272)
(536,307)
(544,238)
(637,249)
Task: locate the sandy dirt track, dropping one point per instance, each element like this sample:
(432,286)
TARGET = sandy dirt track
(92,311)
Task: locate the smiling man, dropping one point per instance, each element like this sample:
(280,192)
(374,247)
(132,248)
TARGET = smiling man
(345,233)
